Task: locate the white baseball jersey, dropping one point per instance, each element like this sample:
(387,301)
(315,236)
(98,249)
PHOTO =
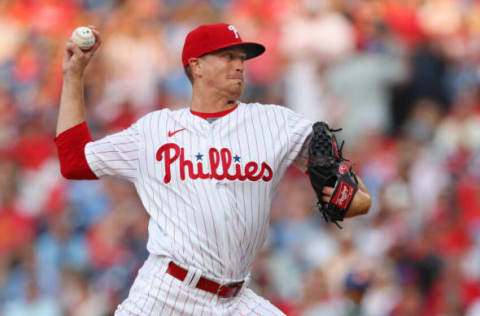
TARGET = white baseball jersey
(207,187)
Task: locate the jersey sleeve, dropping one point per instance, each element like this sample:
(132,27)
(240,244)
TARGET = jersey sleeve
(69,144)
(116,154)
(299,129)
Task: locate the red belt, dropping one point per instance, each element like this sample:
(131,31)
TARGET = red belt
(225,290)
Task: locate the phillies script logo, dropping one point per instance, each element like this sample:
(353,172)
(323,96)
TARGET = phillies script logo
(170,152)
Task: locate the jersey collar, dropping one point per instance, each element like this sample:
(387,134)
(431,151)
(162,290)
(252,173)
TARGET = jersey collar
(215,114)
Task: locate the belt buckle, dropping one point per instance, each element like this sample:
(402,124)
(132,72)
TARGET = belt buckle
(233,288)
(237,288)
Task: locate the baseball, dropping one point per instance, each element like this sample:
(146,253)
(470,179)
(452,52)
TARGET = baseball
(83,37)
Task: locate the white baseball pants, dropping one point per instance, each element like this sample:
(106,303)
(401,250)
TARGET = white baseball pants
(156,292)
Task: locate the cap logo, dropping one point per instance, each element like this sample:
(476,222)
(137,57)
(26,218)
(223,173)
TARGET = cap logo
(234,30)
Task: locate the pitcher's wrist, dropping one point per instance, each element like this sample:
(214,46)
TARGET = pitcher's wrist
(72,76)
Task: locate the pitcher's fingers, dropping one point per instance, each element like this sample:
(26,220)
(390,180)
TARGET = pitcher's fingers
(92,51)
(98,38)
(327,191)
(71,46)
(98,42)
(68,46)
(68,49)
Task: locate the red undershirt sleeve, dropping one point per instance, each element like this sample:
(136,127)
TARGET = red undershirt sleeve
(71,153)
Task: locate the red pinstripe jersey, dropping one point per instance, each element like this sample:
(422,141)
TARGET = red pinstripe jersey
(207,187)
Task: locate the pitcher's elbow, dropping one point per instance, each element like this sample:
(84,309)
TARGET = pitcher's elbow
(72,173)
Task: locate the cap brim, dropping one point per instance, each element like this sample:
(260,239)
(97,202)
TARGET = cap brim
(252,49)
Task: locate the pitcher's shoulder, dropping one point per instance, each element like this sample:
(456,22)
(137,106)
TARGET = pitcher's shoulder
(266,108)
(161,114)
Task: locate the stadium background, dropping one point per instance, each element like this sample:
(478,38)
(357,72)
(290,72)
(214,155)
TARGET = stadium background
(401,77)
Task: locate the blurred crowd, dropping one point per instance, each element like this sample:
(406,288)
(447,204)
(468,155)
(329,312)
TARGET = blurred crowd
(400,76)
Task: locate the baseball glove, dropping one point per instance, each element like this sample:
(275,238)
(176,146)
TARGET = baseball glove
(326,167)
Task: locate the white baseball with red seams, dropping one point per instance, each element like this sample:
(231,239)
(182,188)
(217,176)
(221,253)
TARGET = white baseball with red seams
(83,37)
(208,188)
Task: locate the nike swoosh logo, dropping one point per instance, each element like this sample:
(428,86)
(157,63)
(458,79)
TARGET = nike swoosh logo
(170,134)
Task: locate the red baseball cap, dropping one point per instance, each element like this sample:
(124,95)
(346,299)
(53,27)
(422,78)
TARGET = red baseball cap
(211,37)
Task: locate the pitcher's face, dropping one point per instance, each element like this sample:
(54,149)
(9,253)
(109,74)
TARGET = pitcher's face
(223,70)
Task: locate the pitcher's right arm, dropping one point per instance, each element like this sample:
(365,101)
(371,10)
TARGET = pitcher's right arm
(72,108)
(72,133)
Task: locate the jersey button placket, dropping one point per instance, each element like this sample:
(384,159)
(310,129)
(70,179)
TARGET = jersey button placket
(213,143)
(221,212)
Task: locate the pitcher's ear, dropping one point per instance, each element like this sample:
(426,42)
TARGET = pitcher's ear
(195,66)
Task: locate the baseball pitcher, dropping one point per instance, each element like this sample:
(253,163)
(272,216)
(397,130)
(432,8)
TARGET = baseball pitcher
(206,175)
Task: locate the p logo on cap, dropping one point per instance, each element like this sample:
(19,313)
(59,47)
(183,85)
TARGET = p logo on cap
(212,37)
(234,30)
